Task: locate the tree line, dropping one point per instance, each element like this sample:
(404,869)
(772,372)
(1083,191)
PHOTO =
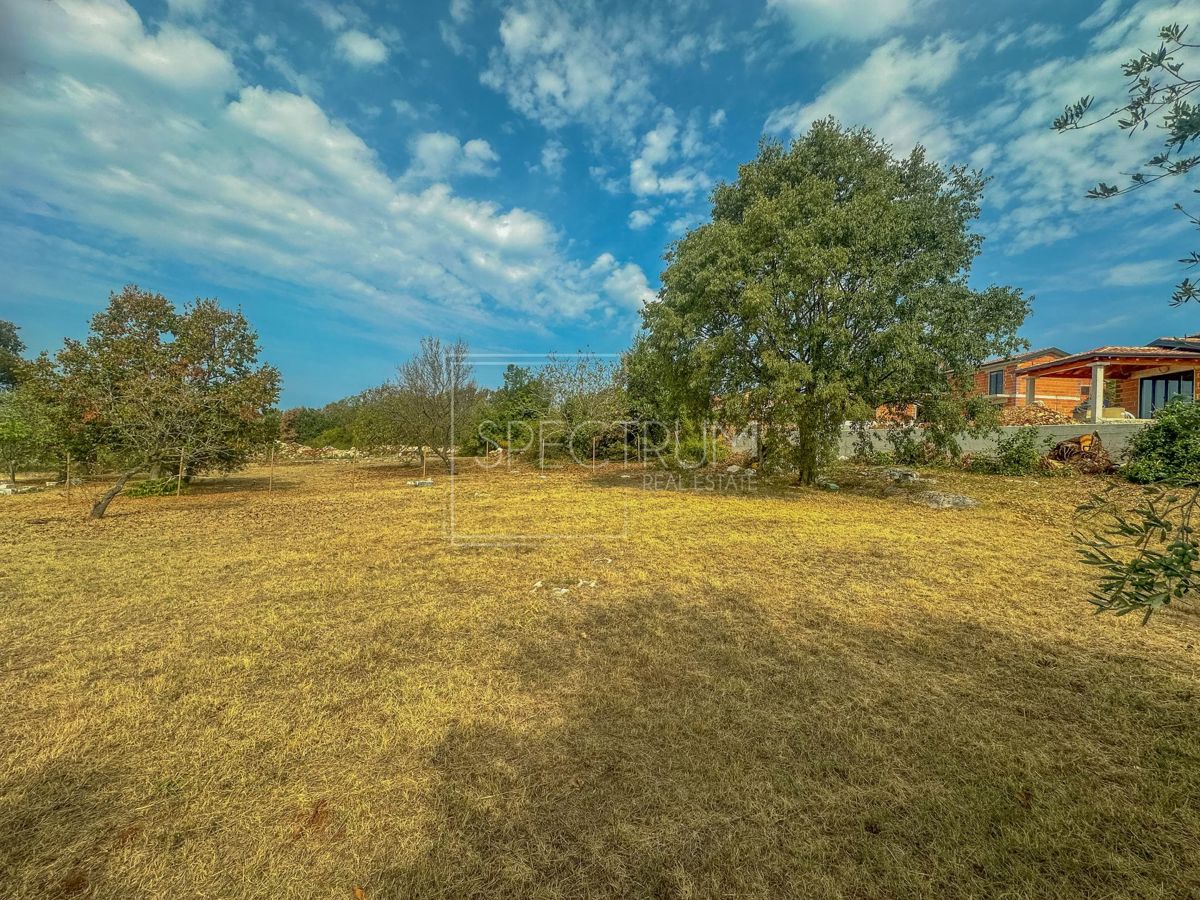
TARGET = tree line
(832,279)
(152,389)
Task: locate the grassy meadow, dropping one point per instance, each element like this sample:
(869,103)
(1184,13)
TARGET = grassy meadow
(312,693)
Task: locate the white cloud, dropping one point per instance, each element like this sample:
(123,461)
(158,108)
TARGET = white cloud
(1103,14)
(659,146)
(603,176)
(643,218)
(460,13)
(188,9)
(554,154)
(682,224)
(452,39)
(267,46)
(557,70)
(891,92)
(258,182)
(814,21)
(1140,274)
(438,155)
(717,119)
(1043,176)
(331,17)
(106,40)
(625,284)
(576,62)
(360,49)
(404,108)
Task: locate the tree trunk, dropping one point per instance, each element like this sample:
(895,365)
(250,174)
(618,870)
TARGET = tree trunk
(102,504)
(12,472)
(806,457)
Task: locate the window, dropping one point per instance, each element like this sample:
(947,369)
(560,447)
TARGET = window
(1157,392)
(996,382)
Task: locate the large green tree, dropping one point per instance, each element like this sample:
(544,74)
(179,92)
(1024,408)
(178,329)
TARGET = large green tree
(832,279)
(28,432)
(11,348)
(158,389)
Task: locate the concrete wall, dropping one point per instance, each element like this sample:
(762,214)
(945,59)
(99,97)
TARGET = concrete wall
(1114,435)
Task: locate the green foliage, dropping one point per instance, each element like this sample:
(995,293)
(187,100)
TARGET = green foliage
(156,487)
(588,405)
(908,446)
(1017,453)
(508,418)
(570,407)
(1157,89)
(11,348)
(1149,556)
(302,424)
(155,387)
(28,433)
(832,279)
(698,449)
(1168,449)
(339,436)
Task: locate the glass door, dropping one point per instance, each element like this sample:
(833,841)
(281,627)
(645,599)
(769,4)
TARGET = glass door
(1158,391)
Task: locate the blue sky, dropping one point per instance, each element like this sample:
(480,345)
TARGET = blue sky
(355,175)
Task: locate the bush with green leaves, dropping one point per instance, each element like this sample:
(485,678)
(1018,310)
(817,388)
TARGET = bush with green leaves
(338,437)
(1148,556)
(1017,453)
(697,449)
(1168,449)
(155,487)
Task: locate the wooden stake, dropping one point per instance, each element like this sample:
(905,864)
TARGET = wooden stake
(68,476)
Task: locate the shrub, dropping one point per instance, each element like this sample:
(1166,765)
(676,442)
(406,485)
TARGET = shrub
(1168,449)
(699,450)
(338,437)
(1016,453)
(154,487)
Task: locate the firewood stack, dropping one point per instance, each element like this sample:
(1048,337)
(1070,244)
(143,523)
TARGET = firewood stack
(1032,415)
(1085,453)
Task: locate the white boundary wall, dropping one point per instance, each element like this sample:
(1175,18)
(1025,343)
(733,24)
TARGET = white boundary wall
(1114,435)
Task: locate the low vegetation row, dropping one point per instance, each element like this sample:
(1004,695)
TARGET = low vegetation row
(833,280)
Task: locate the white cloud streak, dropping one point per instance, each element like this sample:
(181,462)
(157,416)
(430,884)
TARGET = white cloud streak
(814,21)
(360,49)
(259,180)
(893,92)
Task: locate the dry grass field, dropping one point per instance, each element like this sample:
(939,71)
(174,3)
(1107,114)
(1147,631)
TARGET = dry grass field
(312,693)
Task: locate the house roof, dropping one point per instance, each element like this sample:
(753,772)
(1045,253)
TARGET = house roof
(1188,342)
(1022,357)
(1128,358)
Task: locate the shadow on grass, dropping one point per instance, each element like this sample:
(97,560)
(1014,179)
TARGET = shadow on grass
(238,484)
(706,746)
(696,747)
